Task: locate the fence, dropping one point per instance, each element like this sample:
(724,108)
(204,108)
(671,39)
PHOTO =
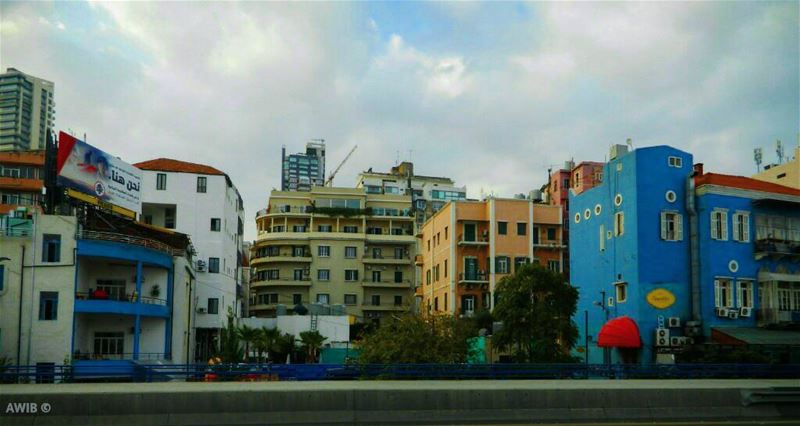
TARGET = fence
(303,372)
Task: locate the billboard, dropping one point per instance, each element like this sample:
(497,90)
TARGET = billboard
(91,171)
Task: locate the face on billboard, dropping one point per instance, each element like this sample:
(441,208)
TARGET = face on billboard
(89,170)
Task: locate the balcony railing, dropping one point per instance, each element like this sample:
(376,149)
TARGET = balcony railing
(143,356)
(129,297)
(777,316)
(475,240)
(777,246)
(478,276)
(130,239)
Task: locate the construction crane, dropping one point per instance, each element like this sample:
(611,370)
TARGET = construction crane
(329,182)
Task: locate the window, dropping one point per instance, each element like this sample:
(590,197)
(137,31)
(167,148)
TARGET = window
(741,227)
(519,261)
(745,294)
(298,228)
(48,305)
(213,305)
(435,303)
(161,181)
(445,232)
(522,228)
(621,290)
(148,219)
(675,162)
(376,300)
(502,265)
(723,293)
(323,298)
(399,253)
(377,253)
(324,251)
(376,276)
(502,228)
(551,234)
(297,299)
(350,252)
(602,238)
(169,218)
(350,299)
(398,301)
(428,277)
(671,226)
(535,234)
(51,248)
(324,274)
(398,276)
(298,274)
(325,228)
(213,265)
(352,275)
(719,225)
(554,265)
(2,277)
(468,304)
(109,343)
(115,289)
(201,184)
(351,229)
(619,223)
(216,224)
(445,268)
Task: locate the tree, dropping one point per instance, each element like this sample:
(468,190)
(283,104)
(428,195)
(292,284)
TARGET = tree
(312,342)
(536,306)
(266,341)
(248,335)
(284,346)
(229,348)
(415,339)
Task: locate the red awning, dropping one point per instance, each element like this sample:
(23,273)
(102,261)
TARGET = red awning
(619,332)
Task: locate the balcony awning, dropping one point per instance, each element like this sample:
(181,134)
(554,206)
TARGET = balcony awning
(620,332)
(776,276)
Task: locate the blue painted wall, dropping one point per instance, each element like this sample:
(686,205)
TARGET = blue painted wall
(638,257)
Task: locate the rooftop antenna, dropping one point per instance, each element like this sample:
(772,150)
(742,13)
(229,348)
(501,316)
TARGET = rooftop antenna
(629,142)
(397,158)
(779,151)
(758,156)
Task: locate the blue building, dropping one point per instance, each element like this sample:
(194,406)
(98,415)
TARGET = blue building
(688,257)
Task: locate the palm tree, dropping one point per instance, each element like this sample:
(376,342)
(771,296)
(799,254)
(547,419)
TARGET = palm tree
(267,340)
(312,341)
(248,335)
(284,345)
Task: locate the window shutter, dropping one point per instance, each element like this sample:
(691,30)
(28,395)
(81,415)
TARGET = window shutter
(716,294)
(663,225)
(714,221)
(724,217)
(745,219)
(736,219)
(678,227)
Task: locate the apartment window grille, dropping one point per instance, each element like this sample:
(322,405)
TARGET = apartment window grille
(324,251)
(323,274)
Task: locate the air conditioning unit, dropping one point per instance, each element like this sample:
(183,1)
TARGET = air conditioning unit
(200,266)
(722,312)
(201,310)
(733,314)
(368,267)
(746,312)
(662,337)
(674,322)
(675,341)
(687,341)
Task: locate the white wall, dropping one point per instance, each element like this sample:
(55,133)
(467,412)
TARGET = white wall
(334,328)
(193,212)
(182,313)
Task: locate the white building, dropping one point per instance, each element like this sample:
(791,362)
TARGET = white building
(105,292)
(202,202)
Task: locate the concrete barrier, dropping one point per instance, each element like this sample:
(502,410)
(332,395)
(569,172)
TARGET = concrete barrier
(400,402)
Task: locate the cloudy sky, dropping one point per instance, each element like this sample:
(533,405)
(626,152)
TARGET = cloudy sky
(489,94)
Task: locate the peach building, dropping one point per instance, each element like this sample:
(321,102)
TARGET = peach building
(467,247)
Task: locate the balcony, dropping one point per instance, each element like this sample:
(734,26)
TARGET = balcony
(283,257)
(386,284)
(303,282)
(388,260)
(131,240)
(473,278)
(766,316)
(555,245)
(482,241)
(124,305)
(777,248)
(418,260)
(369,306)
(406,237)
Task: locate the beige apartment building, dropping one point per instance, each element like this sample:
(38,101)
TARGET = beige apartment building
(787,174)
(341,249)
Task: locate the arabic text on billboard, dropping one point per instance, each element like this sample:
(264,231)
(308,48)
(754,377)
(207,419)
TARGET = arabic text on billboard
(89,170)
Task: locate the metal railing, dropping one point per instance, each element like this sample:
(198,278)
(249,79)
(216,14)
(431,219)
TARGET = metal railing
(129,297)
(777,316)
(17,231)
(479,276)
(141,372)
(771,245)
(130,239)
(143,356)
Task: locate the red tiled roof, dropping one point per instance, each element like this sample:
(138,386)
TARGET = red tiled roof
(742,182)
(170,165)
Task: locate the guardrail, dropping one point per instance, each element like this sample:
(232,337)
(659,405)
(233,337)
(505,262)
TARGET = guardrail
(129,297)
(130,239)
(135,372)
